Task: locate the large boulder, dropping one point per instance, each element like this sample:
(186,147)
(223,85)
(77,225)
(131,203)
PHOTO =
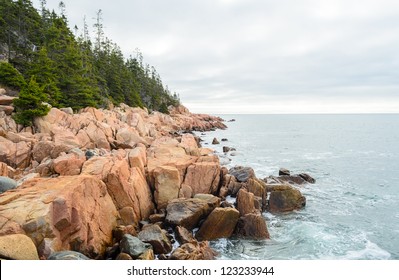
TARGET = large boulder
(69,164)
(252,226)
(167,185)
(187,212)
(128,137)
(245,202)
(242,174)
(284,198)
(64,213)
(194,251)
(219,224)
(134,247)
(7,184)
(17,155)
(203,177)
(17,247)
(154,235)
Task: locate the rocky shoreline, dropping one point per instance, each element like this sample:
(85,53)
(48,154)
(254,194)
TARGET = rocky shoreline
(126,184)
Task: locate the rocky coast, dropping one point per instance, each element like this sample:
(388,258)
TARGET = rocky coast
(123,183)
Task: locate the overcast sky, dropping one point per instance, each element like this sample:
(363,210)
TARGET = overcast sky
(261,56)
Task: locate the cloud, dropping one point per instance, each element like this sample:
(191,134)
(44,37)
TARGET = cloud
(262,56)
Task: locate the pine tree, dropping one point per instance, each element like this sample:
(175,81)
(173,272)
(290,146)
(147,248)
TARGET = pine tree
(30,103)
(10,77)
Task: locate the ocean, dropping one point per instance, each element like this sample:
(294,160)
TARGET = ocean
(352,211)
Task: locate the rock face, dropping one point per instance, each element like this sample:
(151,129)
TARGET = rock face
(134,247)
(252,226)
(187,212)
(284,198)
(167,185)
(69,164)
(219,224)
(203,177)
(193,251)
(7,184)
(65,213)
(242,174)
(154,235)
(17,247)
(245,202)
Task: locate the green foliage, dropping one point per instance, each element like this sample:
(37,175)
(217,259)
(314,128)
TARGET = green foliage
(10,77)
(74,72)
(30,103)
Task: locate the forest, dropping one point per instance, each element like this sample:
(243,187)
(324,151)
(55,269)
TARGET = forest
(47,61)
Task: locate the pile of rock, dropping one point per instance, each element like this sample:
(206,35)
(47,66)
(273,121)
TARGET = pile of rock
(125,184)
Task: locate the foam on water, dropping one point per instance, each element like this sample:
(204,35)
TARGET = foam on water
(351,211)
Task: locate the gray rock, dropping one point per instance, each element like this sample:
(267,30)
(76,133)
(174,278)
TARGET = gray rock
(241,173)
(68,110)
(133,246)
(67,255)
(90,153)
(284,171)
(7,184)
(154,235)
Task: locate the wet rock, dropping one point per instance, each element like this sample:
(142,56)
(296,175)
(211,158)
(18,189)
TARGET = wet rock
(245,202)
(307,178)
(252,226)
(215,141)
(7,184)
(226,149)
(154,235)
(183,235)
(187,212)
(284,198)
(224,140)
(67,255)
(17,247)
(284,171)
(133,246)
(242,174)
(194,251)
(220,223)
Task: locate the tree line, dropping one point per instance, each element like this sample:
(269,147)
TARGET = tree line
(48,62)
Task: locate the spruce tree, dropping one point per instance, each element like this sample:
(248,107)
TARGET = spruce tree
(30,103)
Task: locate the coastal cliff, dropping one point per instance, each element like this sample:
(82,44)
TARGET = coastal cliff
(126,184)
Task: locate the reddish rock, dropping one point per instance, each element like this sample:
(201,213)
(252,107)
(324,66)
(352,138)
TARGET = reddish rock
(65,213)
(183,235)
(203,177)
(154,235)
(252,226)
(69,164)
(167,185)
(194,251)
(6,100)
(17,155)
(220,223)
(6,109)
(245,202)
(284,198)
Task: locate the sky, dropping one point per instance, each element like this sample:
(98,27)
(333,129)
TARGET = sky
(261,56)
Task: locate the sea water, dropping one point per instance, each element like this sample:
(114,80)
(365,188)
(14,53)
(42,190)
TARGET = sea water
(352,211)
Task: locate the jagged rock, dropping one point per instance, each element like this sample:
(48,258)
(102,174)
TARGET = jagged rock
(15,154)
(284,171)
(167,185)
(284,198)
(307,178)
(183,235)
(120,231)
(245,202)
(242,174)
(129,137)
(17,247)
(194,251)
(6,100)
(68,255)
(220,223)
(7,184)
(252,226)
(203,177)
(63,213)
(69,164)
(215,141)
(154,235)
(6,109)
(133,246)
(189,143)
(137,158)
(187,212)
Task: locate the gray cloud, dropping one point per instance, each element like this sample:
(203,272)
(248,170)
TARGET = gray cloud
(262,56)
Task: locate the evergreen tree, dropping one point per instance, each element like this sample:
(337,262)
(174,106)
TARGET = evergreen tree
(10,77)
(30,103)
